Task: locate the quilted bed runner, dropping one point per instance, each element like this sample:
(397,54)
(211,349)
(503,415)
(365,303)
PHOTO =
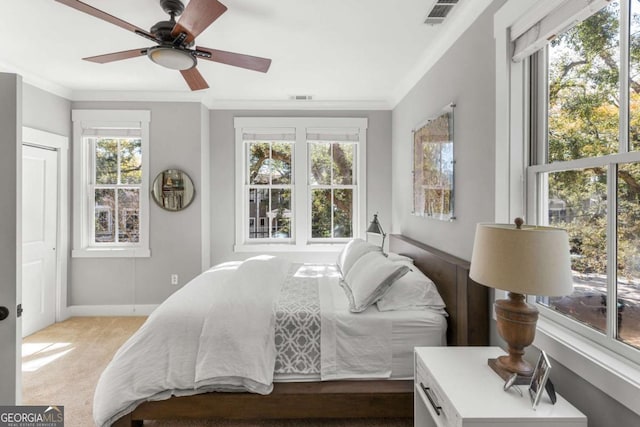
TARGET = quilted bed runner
(297,330)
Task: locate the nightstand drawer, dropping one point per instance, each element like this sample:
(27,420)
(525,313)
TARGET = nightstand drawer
(434,398)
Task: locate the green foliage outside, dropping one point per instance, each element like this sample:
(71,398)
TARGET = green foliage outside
(584,115)
(331,167)
(270,164)
(122,206)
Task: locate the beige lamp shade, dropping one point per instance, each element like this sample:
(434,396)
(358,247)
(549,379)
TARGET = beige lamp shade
(532,260)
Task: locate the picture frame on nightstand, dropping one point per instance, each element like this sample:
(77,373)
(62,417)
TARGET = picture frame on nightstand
(539,379)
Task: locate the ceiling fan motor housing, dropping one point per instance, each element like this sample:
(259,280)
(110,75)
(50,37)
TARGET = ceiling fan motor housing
(162,30)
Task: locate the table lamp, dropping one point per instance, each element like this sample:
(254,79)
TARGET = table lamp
(530,260)
(376,228)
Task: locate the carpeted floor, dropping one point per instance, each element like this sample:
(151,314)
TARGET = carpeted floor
(62,363)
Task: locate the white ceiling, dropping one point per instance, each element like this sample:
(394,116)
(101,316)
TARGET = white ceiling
(354,53)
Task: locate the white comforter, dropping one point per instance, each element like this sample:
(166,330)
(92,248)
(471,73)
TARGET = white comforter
(217,334)
(223,340)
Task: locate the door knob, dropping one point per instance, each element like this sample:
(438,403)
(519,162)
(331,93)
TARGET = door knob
(4,313)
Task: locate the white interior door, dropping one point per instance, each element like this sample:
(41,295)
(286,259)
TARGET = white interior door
(39,237)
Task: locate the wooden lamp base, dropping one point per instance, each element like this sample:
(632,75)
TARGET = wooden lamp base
(516,322)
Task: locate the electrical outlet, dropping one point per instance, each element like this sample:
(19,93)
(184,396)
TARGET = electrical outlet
(174,279)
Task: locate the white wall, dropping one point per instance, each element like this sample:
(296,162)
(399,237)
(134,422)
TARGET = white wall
(175,237)
(465,76)
(223,175)
(45,111)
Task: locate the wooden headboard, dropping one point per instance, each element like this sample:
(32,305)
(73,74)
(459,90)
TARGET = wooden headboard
(467,301)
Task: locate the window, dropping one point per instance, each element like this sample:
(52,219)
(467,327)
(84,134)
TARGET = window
(111,183)
(598,357)
(587,178)
(301,182)
(269,184)
(332,184)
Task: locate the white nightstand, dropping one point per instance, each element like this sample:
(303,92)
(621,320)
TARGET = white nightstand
(466,392)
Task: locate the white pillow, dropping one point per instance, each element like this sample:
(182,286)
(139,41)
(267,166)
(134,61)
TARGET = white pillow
(369,279)
(400,258)
(413,291)
(352,252)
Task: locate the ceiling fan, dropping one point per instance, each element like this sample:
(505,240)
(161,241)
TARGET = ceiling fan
(176,40)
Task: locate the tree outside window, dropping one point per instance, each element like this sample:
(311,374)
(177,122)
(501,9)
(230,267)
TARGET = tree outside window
(118,179)
(591,184)
(302,182)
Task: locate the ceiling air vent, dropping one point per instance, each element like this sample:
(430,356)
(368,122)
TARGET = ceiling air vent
(301,97)
(439,11)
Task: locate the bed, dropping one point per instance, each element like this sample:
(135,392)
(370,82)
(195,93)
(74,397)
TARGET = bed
(306,397)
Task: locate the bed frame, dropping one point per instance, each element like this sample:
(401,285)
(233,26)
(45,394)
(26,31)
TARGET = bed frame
(468,324)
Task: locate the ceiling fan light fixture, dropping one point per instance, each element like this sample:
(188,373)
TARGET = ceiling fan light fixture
(171,57)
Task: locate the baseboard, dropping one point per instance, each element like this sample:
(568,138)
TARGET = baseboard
(110,310)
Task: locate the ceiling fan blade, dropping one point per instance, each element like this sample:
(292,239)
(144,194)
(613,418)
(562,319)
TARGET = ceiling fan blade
(197,16)
(194,79)
(117,56)
(83,7)
(236,59)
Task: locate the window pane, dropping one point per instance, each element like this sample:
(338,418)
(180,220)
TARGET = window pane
(277,217)
(128,215)
(634,77)
(577,202)
(321,213)
(628,286)
(280,214)
(281,163)
(258,208)
(259,155)
(343,163)
(105,210)
(320,155)
(106,161)
(130,161)
(343,213)
(584,89)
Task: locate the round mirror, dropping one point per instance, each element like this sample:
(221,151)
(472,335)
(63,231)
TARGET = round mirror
(173,190)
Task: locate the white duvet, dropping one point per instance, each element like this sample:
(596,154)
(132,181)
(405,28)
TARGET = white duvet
(217,334)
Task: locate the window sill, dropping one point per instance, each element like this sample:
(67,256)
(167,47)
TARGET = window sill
(284,247)
(111,253)
(619,378)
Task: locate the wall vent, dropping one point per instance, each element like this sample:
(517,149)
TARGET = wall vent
(439,11)
(301,97)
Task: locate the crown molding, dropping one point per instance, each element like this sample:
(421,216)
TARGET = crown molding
(299,105)
(37,81)
(137,96)
(229,104)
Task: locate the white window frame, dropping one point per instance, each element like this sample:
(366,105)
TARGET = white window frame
(301,240)
(85,122)
(611,372)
